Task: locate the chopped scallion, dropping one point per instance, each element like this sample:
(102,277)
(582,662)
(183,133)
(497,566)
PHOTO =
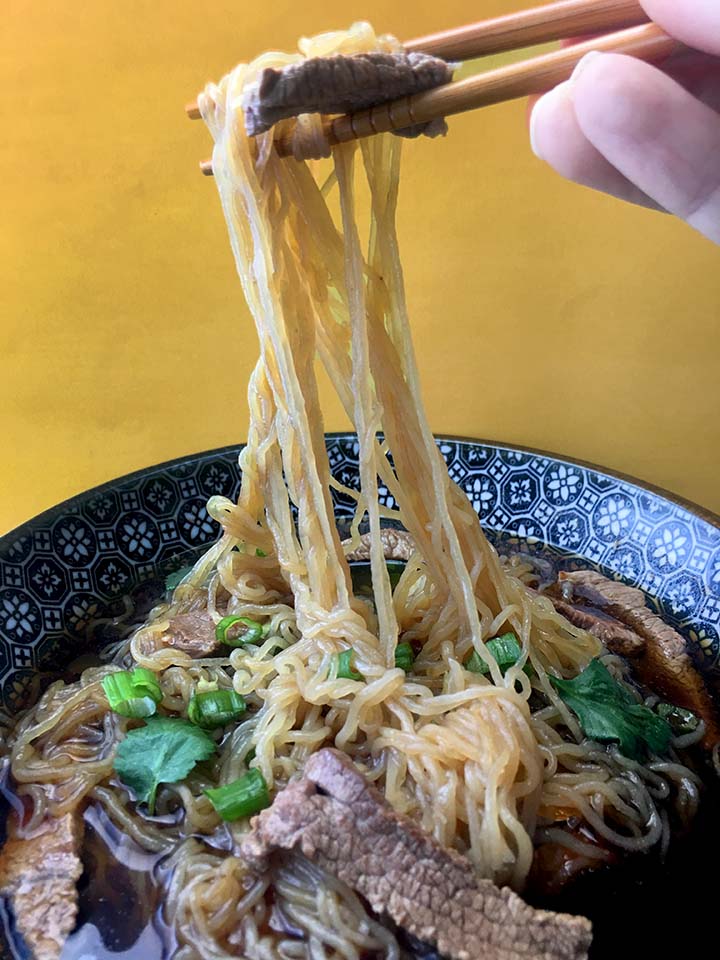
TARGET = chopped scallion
(681,720)
(133,693)
(252,632)
(345,669)
(241,798)
(504,648)
(216,708)
(404,656)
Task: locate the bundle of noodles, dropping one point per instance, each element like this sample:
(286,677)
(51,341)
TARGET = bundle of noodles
(462,753)
(311,289)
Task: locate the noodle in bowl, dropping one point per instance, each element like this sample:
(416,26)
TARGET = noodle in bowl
(489,762)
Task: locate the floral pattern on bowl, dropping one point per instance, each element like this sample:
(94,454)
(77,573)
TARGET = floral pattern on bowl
(80,564)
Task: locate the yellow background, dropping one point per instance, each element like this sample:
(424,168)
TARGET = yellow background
(543,314)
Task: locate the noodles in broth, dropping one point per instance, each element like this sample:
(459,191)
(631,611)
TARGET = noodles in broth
(476,759)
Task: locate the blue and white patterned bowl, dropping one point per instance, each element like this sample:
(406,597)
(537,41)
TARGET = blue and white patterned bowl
(71,570)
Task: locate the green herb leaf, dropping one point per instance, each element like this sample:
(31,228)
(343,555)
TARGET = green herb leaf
(174,578)
(608,712)
(163,751)
(506,650)
(241,798)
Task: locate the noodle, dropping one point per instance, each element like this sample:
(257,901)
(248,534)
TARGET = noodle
(464,754)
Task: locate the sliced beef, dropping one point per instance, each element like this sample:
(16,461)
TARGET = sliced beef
(341,84)
(397,545)
(615,635)
(193,632)
(663,664)
(39,875)
(335,817)
(556,865)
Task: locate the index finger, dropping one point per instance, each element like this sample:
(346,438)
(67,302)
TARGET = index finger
(695,22)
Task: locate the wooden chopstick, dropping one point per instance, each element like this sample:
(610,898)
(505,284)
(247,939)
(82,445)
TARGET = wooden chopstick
(517,80)
(566,18)
(647,42)
(513,31)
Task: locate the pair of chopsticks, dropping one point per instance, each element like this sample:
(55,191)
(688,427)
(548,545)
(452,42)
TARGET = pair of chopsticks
(632,34)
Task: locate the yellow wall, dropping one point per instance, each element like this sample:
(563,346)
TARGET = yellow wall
(543,314)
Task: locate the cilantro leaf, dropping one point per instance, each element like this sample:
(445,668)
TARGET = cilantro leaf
(163,751)
(608,712)
(174,578)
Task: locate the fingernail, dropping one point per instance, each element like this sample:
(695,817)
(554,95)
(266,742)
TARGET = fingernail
(581,64)
(540,116)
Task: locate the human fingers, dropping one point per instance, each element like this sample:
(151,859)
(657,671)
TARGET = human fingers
(645,126)
(654,133)
(699,74)
(695,22)
(557,138)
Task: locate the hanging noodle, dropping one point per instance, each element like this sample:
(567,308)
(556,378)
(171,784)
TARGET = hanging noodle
(464,754)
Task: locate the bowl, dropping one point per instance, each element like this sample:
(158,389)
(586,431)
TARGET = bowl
(103,556)
(81,574)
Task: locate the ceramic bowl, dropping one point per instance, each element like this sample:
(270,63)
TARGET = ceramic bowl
(81,564)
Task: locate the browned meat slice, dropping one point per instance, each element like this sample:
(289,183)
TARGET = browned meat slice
(615,635)
(193,632)
(664,666)
(555,867)
(39,874)
(339,84)
(397,545)
(335,817)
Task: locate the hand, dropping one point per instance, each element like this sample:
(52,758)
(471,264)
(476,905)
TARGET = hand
(644,135)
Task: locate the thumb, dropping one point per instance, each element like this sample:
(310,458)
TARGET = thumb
(695,22)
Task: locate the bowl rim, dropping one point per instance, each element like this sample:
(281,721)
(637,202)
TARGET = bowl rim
(77,499)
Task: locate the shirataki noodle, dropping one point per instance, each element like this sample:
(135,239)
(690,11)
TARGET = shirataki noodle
(464,754)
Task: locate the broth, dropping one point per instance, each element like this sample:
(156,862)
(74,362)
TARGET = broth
(641,907)
(121,889)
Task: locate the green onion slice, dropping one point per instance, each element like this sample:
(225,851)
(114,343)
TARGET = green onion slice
(345,669)
(680,719)
(241,798)
(404,656)
(252,633)
(133,693)
(505,649)
(216,708)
